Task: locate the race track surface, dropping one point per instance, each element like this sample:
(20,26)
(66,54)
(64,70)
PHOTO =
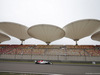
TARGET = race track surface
(55,69)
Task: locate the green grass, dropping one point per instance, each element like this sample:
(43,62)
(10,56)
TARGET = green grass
(16,61)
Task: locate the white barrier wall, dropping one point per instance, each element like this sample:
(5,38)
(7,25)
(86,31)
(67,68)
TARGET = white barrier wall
(51,57)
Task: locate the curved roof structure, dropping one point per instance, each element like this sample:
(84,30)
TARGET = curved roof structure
(46,32)
(4,37)
(17,30)
(81,28)
(96,36)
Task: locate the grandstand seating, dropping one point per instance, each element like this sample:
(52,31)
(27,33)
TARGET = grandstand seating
(94,52)
(69,50)
(75,52)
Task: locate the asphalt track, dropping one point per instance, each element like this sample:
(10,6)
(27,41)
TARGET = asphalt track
(55,69)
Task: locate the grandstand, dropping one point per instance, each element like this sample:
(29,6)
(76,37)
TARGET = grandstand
(49,33)
(51,52)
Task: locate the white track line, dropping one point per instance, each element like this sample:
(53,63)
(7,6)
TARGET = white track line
(92,73)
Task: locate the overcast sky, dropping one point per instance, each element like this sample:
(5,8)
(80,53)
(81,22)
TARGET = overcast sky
(55,12)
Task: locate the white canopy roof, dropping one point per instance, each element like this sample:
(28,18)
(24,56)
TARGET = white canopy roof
(96,36)
(17,30)
(81,28)
(4,37)
(46,32)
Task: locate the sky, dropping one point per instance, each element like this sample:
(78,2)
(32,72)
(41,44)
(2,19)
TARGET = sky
(55,12)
